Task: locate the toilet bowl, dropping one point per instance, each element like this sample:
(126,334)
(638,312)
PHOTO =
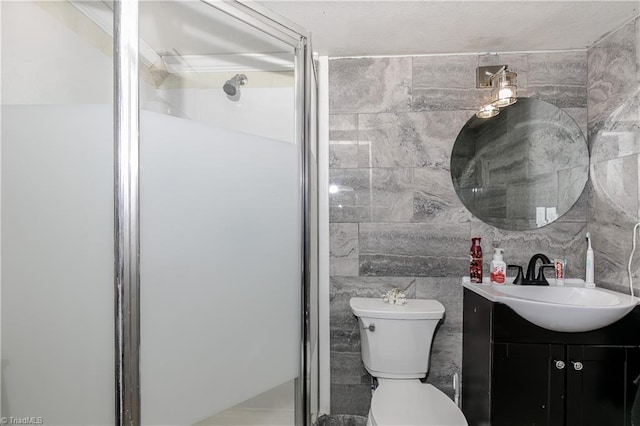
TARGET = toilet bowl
(411,402)
(395,348)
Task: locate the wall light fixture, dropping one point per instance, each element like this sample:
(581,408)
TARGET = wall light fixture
(504,91)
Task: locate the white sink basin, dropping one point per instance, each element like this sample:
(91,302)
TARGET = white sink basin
(568,308)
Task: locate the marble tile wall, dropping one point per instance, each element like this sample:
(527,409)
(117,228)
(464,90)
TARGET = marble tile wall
(613,106)
(395,218)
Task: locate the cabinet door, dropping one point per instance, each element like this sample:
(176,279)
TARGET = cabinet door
(600,386)
(632,412)
(527,387)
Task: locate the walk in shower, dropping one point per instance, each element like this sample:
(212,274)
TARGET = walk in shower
(159,233)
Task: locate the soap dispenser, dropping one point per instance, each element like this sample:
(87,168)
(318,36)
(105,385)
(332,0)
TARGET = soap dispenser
(498,267)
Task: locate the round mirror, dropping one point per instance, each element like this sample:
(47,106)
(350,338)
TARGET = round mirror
(521,169)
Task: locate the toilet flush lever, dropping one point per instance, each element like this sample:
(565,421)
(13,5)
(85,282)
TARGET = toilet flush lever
(370,327)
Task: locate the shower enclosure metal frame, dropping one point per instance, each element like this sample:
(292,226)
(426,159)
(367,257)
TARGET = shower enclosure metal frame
(127,218)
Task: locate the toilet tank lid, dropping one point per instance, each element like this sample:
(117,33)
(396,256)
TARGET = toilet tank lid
(413,309)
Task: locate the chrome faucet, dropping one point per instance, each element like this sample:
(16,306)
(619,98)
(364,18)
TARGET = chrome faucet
(531,278)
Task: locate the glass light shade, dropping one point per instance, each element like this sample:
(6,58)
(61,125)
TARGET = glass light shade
(504,92)
(503,96)
(503,78)
(487,111)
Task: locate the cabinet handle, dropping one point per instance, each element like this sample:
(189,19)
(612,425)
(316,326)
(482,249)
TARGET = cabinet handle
(577,365)
(559,364)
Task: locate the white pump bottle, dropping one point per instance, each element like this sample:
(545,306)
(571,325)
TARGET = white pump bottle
(498,268)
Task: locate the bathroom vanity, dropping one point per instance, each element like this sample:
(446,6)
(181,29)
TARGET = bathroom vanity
(517,373)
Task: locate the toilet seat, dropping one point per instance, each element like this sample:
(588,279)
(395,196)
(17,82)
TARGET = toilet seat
(412,403)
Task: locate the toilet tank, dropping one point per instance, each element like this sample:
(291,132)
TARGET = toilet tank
(396,340)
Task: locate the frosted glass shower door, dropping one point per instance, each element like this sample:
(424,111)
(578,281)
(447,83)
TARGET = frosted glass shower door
(57,215)
(220,218)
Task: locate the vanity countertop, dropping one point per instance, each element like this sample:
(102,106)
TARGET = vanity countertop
(492,292)
(571,307)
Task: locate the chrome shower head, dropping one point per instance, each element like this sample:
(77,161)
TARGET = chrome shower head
(232,86)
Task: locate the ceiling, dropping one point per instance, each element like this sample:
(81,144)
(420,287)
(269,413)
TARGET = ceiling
(399,27)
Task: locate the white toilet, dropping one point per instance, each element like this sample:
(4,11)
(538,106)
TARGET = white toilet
(396,345)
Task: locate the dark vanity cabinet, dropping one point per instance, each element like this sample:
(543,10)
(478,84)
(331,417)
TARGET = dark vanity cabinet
(516,373)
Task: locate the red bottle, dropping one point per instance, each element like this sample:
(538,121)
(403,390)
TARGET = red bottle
(475,261)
